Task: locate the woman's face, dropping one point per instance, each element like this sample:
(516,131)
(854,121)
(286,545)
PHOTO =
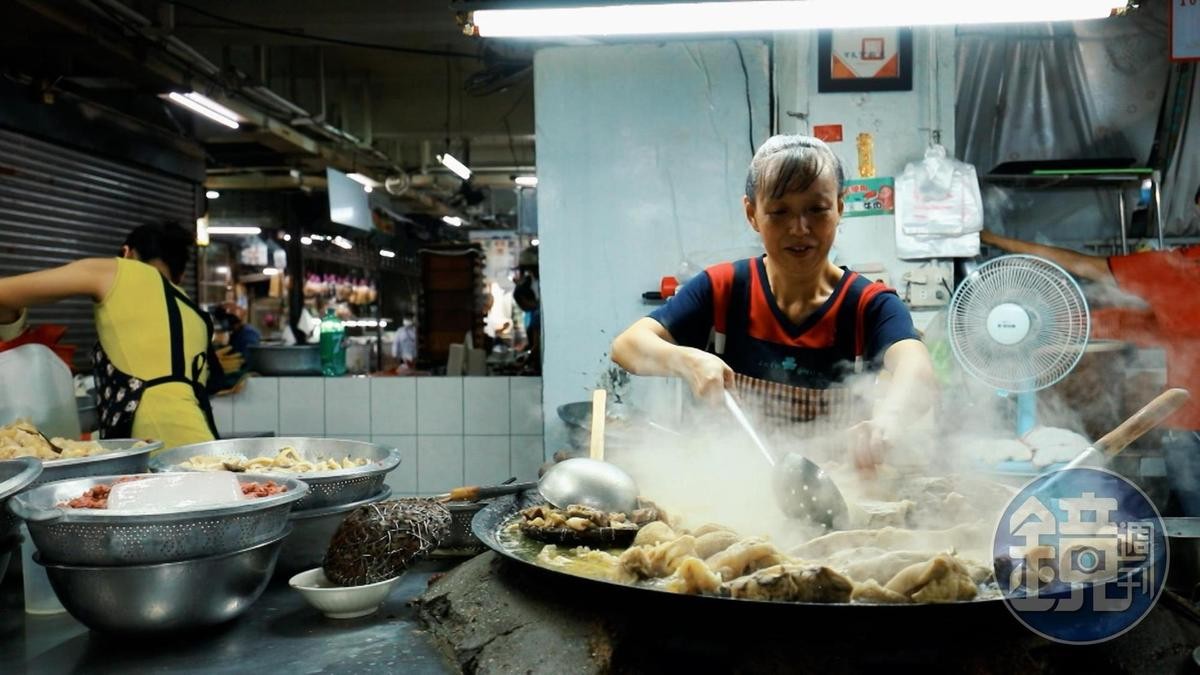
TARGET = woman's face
(798,229)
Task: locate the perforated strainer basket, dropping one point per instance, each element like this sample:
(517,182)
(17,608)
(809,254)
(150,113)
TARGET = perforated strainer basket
(326,488)
(69,536)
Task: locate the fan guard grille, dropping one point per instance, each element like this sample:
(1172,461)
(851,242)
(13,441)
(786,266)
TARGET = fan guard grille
(1058,330)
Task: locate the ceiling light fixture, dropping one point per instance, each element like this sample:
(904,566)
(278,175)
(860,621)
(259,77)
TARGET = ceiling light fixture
(535,242)
(307,241)
(342,242)
(386,253)
(454,165)
(772,16)
(526,181)
(452,221)
(212,194)
(270,271)
(210,109)
(287,237)
(239,230)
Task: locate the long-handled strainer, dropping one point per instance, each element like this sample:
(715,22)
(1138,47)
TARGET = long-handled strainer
(803,489)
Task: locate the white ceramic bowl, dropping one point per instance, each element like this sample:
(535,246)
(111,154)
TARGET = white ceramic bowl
(341,602)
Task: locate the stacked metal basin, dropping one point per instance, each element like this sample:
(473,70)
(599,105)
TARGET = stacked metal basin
(149,563)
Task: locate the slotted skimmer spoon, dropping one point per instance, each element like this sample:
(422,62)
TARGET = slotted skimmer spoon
(803,490)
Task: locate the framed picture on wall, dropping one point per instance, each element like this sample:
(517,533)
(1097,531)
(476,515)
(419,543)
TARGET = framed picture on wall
(868,59)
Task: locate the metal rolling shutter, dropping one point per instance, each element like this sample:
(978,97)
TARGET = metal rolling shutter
(58,204)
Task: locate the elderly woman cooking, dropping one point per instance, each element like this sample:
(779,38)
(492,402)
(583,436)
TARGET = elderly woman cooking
(787,329)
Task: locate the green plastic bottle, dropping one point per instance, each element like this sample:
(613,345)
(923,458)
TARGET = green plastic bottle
(333,345)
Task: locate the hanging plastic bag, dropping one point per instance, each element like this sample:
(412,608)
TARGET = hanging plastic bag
(939,212)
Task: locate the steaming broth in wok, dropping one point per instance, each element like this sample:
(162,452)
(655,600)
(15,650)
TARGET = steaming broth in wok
(899,554)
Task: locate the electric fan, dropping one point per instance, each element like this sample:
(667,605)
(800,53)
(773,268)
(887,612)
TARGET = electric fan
(1018,323)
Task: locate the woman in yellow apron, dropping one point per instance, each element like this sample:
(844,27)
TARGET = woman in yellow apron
(787,329)
(151,362)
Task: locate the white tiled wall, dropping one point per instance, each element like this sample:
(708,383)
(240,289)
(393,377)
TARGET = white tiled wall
(450,431)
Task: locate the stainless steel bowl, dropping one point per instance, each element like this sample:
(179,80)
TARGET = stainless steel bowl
(101,537)
(326,488)
(312,531)
(120,457)
(285,359)
(15,476)
(166,597)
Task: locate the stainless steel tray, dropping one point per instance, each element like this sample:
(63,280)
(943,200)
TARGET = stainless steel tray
(326,488)
(120,458)
(100,537)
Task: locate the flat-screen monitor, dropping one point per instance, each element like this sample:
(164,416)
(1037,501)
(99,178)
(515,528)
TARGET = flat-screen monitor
(349,204)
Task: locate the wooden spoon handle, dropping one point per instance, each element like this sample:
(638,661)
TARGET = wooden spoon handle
(1150,416)
(596,450)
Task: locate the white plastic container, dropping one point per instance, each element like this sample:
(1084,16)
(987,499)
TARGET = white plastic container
(175,491)
(39,595)
(35,384)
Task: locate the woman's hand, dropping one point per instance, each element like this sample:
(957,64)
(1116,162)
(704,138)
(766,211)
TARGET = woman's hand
(868,443)
(705,373)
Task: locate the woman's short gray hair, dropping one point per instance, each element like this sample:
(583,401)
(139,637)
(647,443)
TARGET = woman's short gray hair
(790,163)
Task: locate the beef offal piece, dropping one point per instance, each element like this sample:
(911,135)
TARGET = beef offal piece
(377,542)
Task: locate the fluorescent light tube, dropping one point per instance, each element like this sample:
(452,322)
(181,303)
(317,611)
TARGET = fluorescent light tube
(213,106)
(234,230)
(201,110)
(363,180)
(454,165)
(772,16)
(342,242)
(526,181)
(212,194)
(453,221)
(386,253)
(202,231)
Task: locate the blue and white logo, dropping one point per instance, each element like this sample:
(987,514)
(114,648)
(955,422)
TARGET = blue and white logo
(1080,555)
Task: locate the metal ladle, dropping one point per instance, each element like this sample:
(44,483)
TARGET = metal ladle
(803,490)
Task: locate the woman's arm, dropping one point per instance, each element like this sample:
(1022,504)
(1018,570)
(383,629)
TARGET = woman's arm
(909,395)
(647,348)
(91,277)
(1092,267)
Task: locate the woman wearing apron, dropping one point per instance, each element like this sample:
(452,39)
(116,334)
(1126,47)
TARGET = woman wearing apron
(786,330)
(151,360)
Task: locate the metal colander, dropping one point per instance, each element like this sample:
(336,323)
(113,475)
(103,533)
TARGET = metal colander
(461,540)
(326,488)
(121,456)
(69,536)
(15,475)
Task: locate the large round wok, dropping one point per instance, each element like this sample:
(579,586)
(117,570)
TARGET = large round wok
(988,616)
